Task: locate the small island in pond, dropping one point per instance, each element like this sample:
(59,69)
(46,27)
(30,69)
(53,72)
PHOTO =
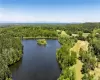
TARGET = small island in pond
(41,42)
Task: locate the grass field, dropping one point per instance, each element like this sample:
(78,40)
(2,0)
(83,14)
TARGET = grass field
(78,68)
(80,45)
(96,72)
(76,48)
(84,34)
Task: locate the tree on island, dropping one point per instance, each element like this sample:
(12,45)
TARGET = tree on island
(41,42)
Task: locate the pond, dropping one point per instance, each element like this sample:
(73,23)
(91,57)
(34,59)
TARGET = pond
(38,62)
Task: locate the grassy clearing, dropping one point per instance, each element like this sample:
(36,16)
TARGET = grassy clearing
(76,48)
(78,68)
(74,35)
(80,45)
(84,34)
(63,34)
(95,72)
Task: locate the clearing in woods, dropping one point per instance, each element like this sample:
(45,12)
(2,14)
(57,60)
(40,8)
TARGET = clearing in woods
(76,48)
(96,72)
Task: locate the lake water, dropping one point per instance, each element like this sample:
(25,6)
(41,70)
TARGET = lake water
(38,62)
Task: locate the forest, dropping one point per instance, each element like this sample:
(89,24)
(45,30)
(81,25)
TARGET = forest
(10,52)
(69,36)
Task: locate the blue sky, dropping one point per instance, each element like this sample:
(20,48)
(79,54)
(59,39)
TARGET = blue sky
(50,11)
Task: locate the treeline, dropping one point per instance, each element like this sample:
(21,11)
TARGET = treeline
(10,52)
(47,30)
(29,32)
(66,58)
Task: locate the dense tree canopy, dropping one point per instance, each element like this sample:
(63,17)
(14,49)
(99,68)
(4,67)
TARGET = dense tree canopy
(10,52)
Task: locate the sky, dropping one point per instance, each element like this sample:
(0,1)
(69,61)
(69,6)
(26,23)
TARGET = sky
(53,11)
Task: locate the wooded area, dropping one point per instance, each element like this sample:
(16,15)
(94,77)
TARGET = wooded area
(11,46)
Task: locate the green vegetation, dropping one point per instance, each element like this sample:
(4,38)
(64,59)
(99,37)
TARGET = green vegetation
(78,67)
(8,79)
(66,58)
(72,37)
(27,38)
(10,52)
(47,30)
(41,42)
(86,56)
